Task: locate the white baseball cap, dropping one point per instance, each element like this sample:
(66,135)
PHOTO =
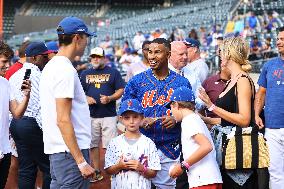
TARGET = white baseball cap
(98,51)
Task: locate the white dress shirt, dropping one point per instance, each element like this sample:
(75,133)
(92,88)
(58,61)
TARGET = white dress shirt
(199,67)
(194,81)
(33,109)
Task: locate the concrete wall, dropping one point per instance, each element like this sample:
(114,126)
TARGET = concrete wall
(26,24)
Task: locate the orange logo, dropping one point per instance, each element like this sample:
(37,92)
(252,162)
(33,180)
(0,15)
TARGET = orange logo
(148,98)
(129,103)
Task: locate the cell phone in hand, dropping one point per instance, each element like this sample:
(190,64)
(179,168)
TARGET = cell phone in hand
(27,76)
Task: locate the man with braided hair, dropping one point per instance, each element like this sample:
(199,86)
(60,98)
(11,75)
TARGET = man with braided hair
(153,88)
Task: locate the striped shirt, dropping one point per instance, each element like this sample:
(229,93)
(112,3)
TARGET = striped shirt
(33,109)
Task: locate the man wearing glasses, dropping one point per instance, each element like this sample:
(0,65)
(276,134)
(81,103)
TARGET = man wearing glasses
(26,131)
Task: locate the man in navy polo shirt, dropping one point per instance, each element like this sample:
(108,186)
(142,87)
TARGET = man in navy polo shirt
(103,86)
(270,94)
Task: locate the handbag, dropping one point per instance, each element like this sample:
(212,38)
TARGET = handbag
(245,148)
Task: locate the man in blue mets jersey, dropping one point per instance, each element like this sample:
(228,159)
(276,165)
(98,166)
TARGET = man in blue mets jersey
(153,88)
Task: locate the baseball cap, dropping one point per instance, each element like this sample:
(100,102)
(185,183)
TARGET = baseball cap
(181,94)
(52,46)
(128,50)
(98,51)
(189,42)
(36,48)
(130,105)
(73,25)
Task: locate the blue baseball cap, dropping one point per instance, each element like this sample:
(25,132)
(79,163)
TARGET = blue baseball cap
(36,48)
(130,105)
(189,42)
(52,46)
(73,25)
(181,94)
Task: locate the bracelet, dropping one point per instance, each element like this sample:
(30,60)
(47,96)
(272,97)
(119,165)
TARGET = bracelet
(185,166)
(212,107)
(83,164)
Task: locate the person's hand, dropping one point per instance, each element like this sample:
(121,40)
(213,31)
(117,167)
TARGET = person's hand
(204,97)
(122,164)
(87,171)
(168,122)
(148,122)
(90,100)
(135,165)
(259,122)
(176,171)
(26,87)
(105,99)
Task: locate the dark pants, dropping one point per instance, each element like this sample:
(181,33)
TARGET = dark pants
(29,143)
(258,180)
(4,169)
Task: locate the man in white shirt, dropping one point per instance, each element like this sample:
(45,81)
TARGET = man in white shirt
(196,63)
(26,131)
(8,102)
(66,122)
(178,64)
(65,112)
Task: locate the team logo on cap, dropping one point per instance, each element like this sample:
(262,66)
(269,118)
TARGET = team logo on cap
(129,103)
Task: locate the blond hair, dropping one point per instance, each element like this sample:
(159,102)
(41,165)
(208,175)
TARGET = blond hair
(237,50)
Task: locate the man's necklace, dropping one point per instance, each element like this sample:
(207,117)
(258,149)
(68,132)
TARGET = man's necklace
(161,79)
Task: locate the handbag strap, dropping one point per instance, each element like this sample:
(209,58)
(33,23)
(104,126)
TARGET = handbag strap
(254,132)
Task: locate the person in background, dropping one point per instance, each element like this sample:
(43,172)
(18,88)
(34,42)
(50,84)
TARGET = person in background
(27,131)
(8,103)
(270,96)
(141,66)
(53,48)
(103,86)
(79,65)
(195,62)
(19,64)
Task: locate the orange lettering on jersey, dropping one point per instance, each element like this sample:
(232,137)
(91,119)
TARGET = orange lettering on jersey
(168,112)
(148,99)
(170,92)
(161,100)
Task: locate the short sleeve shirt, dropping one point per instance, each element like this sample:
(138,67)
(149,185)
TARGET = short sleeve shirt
(206,170)
(143,150)
(272,78)
(59,79)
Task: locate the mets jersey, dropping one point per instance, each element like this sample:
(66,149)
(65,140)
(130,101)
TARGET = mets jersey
(153,95)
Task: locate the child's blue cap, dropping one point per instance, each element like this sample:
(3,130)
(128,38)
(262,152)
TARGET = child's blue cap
(181,94)
(130,105)
(73,25)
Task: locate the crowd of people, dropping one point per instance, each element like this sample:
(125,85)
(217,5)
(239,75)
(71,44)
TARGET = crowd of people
(63,111)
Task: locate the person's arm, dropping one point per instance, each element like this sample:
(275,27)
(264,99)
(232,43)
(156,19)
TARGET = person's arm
(18,109)
(204,148)
(63,109)
(242,118)
(107,99)
(258,105)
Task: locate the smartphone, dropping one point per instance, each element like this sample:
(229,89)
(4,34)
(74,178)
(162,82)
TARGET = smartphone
(27,76)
